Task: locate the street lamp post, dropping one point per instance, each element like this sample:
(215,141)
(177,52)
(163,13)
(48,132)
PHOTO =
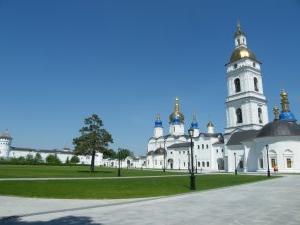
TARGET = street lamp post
(119,162)
(196,164)
(268,171)
(165,151)
(193,178)
(235,169)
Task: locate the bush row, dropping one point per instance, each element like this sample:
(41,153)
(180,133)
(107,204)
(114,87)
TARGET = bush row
(37,160)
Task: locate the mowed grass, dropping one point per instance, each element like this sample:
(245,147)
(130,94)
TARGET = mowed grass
(37,171)
(119,188)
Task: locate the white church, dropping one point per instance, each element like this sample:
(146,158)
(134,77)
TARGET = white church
(249,140)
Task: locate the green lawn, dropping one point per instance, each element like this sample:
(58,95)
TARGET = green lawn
(15,171)
(119,188)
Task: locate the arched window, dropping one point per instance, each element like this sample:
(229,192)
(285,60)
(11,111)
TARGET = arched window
(259,111)
(288,158)
(241,164)
(261,162)
(239,116)
(239,41)
(273,158)
(255,84)
(237,84)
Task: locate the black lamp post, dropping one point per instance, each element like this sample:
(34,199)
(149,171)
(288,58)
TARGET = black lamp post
(196,164)
(165,152)
(193,178)
(268,171)
(119,161)
(235,169)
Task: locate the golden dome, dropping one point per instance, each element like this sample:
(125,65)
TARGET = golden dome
(240,53)
(176,115)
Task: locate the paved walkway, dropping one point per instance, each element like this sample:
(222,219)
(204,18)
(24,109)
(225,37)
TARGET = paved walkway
(273,202)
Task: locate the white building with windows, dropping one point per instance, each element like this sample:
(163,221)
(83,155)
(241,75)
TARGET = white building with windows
(172,151)
(248,133)
(9,151)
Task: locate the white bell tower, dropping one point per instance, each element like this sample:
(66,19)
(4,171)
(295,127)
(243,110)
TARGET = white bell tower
(246,105)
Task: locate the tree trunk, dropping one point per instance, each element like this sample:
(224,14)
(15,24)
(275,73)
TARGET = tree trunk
(93,161)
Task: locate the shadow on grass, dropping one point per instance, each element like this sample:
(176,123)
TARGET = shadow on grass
(68,220)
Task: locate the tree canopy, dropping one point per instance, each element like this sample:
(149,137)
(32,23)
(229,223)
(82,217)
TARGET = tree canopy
(94,138)
(109,153)
(124,153)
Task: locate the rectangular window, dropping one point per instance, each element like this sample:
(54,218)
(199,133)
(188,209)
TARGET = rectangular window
(289,163)
(273,162)
(261,163)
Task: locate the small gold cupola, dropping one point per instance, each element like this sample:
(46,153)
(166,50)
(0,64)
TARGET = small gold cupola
(286,114)
(285,105)
(276,112)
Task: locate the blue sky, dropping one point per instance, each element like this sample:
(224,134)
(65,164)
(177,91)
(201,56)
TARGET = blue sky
(61,61)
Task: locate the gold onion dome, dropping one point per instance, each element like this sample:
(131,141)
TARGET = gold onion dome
(176,116)
(242,52)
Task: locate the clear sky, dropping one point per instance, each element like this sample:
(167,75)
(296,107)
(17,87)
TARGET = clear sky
(61,61)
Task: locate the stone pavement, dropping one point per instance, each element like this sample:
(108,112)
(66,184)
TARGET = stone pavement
(275,201)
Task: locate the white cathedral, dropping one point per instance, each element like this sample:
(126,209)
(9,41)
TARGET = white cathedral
(249,140)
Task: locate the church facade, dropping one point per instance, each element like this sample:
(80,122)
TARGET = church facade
(249,143)
(172,151)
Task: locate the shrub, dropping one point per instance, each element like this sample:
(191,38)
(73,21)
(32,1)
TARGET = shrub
(75,159)
(53,159)
(38,159)
(29,159)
